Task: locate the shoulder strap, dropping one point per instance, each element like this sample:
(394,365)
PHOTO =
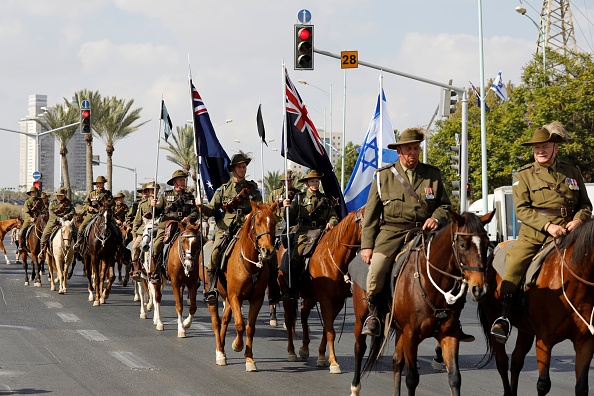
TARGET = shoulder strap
(554,187)
(409,188)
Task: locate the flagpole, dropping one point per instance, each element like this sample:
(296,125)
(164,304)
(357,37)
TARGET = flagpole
(343,131)
(285,137)
(147,266)
(381,114)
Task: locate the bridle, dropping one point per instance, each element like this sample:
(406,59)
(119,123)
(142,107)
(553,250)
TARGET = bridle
(254,237)
(188,255)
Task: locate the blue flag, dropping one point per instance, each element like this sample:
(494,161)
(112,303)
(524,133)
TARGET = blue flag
(372,155)
(212,158)
(304,145)
(499,88)
(478,97)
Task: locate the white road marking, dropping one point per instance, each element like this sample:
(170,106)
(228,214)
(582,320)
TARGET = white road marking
(42,294)
(52,304)
(20,327)
(66,317)
(132,361)
(92,335)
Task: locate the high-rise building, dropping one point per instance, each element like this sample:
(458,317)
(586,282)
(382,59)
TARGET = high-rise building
(77,160)
(36,153)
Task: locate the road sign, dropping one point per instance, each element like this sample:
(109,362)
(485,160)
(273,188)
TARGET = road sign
(304,16)
(36,176)
(86,104)
(349,59)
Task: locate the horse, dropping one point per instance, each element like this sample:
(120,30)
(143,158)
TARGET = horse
(328,284)
(142,292)
(33,246)
(123,259)
(77,220)
(557,308)
(427,300)
(5,226)
(60,255)
(99,255)
(245,277)
(182,269)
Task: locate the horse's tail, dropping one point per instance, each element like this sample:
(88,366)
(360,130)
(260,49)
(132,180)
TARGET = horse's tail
(486,327)
(375,350)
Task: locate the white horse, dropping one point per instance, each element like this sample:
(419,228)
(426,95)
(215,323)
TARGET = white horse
(142,290)
(63,254)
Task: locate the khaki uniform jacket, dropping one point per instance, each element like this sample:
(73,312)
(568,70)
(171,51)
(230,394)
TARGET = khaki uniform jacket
(60,209)
(132,212)
(93,200)
(531,192)
(29,212)
(144,207)
(225,194)
(185,207)
(397,206)
(119,211)
(305,203)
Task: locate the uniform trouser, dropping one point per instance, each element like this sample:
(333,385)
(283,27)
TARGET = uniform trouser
(518,258)
(158,242)
(381,262)
(215,257)
(136,247)
(48,229)
(26,224)
(86,221)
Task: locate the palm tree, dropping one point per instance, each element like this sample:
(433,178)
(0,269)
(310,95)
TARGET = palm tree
(56,117)
(115,124)
(96,114)
(272,181)
(182,152)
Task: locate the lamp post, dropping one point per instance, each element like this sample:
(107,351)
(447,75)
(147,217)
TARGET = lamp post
(541,32)
(304,82)
(228,120)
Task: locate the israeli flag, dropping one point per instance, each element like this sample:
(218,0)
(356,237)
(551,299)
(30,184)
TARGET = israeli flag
(372,155)
(499,88)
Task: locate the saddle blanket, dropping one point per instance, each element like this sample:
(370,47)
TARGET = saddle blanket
(500,264)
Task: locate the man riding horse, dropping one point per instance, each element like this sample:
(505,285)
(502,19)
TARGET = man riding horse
(233,198)
(119,209)
(92,205)
(142,216)
(32,208)
(177,204)
(60,209)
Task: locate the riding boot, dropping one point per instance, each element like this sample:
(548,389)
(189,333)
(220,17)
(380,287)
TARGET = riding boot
(212,295)
(79,238)
(274,292)
(156,274)
(42,251)
(372,325)
(501,328)
(465,337)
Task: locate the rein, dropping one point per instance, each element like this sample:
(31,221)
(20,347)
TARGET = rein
(255,275)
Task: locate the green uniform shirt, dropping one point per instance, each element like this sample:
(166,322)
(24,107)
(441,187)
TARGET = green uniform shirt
(531,192)
(395,205)
(119,211)
(132,212)
(144,207)
(176,205)
(304,204)
(224,195)
(59,209)
(33,207)
(94,198)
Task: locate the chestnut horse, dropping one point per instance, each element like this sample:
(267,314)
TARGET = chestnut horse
(99,255)
(428,297)
(328,284)
(60,255)
(182,269)
(33,246)
(559,306)
(123,258)
(245,277)
(5,226)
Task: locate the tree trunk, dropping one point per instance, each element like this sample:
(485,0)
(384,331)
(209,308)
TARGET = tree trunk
(109,149)
(89,171)
(64,165)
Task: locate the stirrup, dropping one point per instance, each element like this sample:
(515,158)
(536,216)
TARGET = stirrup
(211,297)
(501,320)
(367,331)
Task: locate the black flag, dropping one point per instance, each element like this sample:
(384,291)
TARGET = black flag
(260,123)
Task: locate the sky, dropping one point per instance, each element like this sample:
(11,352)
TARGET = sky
(142,50)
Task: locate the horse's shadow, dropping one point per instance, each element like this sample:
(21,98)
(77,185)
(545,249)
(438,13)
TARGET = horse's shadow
(25,391)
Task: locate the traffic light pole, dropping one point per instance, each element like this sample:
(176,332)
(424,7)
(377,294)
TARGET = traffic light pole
(464,133)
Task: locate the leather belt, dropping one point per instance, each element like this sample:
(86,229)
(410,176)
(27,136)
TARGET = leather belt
(404,226)
(560,212)
(314,224)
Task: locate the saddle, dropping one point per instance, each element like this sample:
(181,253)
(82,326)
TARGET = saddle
(53,232)
(226,246)
(499,263)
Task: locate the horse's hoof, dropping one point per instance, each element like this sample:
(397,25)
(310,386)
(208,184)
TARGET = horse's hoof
(136,298)
(37,284)
(90,298)
(292,357)
(335,369)
(355,390)
(96,303)
(181,334)
(438,366)
(273,323)
(61,291)
(160,327)
(8,263)
(221,359)
(236,346)
(149,307)
(250,367)
(53,287)
(304,353)
(120,282)
(102,300)
(125,283)
(26,283)
(322,362)
(41,272)
(143,315)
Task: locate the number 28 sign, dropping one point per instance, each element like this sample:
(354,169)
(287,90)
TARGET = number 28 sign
(349,59)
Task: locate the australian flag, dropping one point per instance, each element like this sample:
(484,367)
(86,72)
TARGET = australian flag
(212,158)
(305,147)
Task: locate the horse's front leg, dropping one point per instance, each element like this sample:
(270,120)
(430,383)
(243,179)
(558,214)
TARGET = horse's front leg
(398,361)
(192,291)
(97,280)
(36,275)
(543,357)
(220,357)
(330,310)
(304,350)
(235,305)
(250,331)
(87,264)
(51,264)
(523,346)
(4,251)
(25,267)
(139,287)
(584,349)
(157,294)
(290,308)
(449,348)
(178,294)
(361,310)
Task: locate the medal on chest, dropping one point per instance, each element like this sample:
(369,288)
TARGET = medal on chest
(572,184)
(429,193)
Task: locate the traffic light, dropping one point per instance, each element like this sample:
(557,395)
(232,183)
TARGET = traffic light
(467,190)
(455,188)
(455,159)
(85,121)
(38,185)
(453,96)
(304,46)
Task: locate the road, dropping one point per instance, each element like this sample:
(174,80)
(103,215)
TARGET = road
(61,344)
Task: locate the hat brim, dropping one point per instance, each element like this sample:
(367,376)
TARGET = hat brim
(398,144)
(552,139)
(246,162)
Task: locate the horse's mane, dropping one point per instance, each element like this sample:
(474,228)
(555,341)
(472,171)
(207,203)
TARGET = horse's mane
(329,241)
(261,206)
(473,222)
(582,240)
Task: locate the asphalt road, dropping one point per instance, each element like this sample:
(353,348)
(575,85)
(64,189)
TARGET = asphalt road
(61,344)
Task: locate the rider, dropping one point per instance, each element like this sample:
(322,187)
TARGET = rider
(91,206)
(233,198)
(143,215)
(404,195)
(279,195)
(45,199)
(33,207)
(177,204)
(310,210)
(120,209)
(131,214)
(551,200)
(60,209)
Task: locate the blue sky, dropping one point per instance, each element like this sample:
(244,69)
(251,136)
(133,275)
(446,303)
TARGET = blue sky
(138,49)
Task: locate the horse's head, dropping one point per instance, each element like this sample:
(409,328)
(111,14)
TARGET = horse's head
(470,242)
(262,228)
(67,232)
(189,245)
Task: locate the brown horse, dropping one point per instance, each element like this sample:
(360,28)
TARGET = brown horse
(428,298)
(5,226)
(99,255)
(123,258)
(245,277)
(558,307)
(33,246)
(328,284)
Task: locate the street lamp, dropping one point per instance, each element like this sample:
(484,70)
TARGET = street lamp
(228,120)
(304,82)
(541,32)
(123,167)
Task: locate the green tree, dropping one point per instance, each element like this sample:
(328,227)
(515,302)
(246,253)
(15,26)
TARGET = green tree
(272,181)
(350,158)
(182,151)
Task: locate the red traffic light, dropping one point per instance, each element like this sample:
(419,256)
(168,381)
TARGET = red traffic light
(86,113)
(37,184)
(304,34)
